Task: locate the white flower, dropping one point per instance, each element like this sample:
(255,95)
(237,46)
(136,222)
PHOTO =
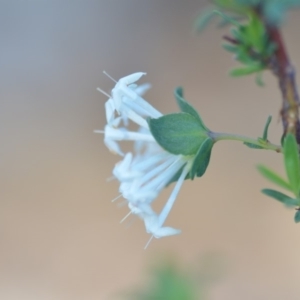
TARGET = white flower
(146,171)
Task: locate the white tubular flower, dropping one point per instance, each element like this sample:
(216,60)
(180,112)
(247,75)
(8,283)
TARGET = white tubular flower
(126,101)
(148,169)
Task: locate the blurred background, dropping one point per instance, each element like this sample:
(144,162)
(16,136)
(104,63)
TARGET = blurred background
(60,236)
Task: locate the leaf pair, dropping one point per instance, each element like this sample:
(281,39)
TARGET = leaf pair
(292,168)
(263,139)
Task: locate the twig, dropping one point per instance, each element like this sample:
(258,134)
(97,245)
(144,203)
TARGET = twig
(283,69)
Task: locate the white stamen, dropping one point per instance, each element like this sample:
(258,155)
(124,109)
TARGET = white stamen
(103,92)
(122,204)
(104,72)
(109,179)
(119,196)
(125,217)
(148,242)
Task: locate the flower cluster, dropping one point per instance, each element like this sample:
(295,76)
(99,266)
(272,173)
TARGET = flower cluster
(144,172)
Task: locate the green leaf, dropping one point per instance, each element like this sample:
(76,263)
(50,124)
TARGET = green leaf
(255,32)
(288,201)
(291,161)
(243,56)
(179,133)
(231,5)
(297,216)
(201,159)
(206,17)
(259,80)
(265,133)
(253,146)
(203,20)
(236,33)
(230,48)
(186,107)
(227,18)
(234,19)
(246,71)
(275,178)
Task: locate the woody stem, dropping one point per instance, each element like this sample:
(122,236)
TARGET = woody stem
(284,71)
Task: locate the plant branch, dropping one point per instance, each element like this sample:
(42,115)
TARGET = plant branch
(264,144)
(284,71)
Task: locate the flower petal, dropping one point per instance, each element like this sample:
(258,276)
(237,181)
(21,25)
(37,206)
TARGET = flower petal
(153,226)
(110,110)
(113,146)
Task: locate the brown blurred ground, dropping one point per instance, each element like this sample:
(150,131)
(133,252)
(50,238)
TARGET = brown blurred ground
(60,236)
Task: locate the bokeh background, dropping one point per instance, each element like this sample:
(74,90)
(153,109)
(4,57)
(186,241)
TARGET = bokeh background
(60,236)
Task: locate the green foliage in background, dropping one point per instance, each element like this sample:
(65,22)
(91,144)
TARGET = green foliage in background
(273,10)
(252,48)
(169,282)
(248,39)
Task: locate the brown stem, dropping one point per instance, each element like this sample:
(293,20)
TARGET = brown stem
(230,40)
(285,73)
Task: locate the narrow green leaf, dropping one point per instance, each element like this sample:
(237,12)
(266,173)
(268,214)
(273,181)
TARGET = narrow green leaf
(202,159)
(178,133)
(186,107)
(243,56)
(265,133)
(288,201)
(246,71)
(253,146)
(203,20)
(235,18)
(230,48)
(232,5)
(259,79)
(273,177)
(255,32)
(236,33)
(291,161)
(297,216)
(227,18)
